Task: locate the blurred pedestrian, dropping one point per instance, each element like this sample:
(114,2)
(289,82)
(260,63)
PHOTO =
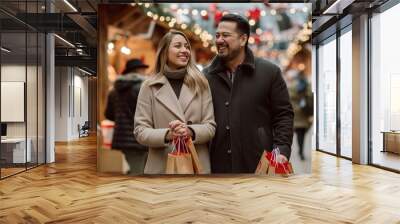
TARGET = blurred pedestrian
(121,106)
(302,102)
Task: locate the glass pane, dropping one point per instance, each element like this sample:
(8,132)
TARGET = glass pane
(41,98)
(13,86)
(327,97)
(32,97)
(346,94)
(386,89)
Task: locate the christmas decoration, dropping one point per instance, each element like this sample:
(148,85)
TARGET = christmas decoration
(217,17)
(212,7)
(254,14)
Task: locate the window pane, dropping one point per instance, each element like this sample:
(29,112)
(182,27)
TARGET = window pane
(41,98)
(15,150)
(386,89)
(327,97)
(346,94)
(32,96)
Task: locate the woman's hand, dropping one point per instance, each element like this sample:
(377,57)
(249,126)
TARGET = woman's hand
(178,128)
(184,131)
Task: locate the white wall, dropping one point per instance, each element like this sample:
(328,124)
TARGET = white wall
(71,102)
(33,126)
(16,73)
(61,103)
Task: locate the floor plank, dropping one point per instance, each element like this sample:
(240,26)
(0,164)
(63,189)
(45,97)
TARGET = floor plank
(71,191)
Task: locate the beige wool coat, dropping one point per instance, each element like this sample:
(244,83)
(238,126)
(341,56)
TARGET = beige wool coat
(158,105)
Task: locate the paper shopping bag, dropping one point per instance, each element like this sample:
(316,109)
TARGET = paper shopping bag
(268,165)
(271,171)
(183,164)
(278,168)
(171,168)
(263,164)
(195,157)
(179,161)
(284,169)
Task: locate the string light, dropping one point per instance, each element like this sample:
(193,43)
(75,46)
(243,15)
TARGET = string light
(162,18)
(252,22)
(203,12)
(195,12)
(186,11)
(251,40)
(263,13)
(292,10)
(183,26)
(126,50)
(273,12)
(110,46)
(147,5)
(303,36)
(168,19)
(259,31)
(149,14)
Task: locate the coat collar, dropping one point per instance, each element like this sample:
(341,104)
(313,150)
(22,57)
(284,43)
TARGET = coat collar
(166,95)
(217,65)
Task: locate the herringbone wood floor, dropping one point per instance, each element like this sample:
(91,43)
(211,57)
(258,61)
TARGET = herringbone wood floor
(70,191)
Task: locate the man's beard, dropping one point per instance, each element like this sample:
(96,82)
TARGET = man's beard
(230,56)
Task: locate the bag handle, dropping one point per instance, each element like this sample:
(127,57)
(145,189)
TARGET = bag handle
(179,145)
(275,154)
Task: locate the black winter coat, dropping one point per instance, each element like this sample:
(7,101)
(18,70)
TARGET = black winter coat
(252,114)
(121,107)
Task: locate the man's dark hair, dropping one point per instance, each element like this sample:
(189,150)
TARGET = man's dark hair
(242,25)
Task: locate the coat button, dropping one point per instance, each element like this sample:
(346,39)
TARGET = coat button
(227,103)
(229,151)
(227,127)
(189,122)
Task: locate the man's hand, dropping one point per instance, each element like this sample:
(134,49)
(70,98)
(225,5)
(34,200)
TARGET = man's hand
(281,159)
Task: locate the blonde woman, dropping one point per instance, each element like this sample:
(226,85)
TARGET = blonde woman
(175,102)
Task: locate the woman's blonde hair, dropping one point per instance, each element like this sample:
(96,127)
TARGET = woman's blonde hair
(194,79)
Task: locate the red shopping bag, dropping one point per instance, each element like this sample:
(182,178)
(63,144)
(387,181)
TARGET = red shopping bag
(268,165)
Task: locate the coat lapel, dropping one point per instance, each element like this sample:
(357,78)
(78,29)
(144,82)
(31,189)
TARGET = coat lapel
(186,97)
(166,96)
(225,78)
